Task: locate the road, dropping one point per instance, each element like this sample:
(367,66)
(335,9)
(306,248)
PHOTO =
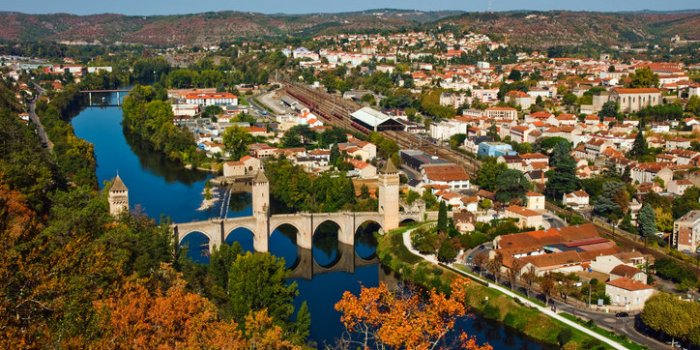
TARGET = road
(35,119)
(623,325)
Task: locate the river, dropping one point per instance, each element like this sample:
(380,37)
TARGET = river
(159,187)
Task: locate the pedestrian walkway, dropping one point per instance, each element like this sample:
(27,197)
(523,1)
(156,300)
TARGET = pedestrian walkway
(545,310)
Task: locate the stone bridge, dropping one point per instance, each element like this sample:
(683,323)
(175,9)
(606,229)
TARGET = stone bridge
(262,224)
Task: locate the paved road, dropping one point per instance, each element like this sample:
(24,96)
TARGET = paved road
(39,127)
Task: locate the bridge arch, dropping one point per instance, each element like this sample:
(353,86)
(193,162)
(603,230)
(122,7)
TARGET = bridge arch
(196,244)
(365,239)
(283,243)
(326,247)
(244,235)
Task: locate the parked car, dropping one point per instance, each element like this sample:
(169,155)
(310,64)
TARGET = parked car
(622,314)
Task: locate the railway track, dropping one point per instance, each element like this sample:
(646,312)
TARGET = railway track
(336,111)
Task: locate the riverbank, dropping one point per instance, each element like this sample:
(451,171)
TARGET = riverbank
(486,302)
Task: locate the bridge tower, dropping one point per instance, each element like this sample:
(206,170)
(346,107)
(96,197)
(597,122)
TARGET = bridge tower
(261,211)
(389,196)
(118,197)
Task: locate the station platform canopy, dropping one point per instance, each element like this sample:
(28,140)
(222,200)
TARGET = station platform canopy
(376,120)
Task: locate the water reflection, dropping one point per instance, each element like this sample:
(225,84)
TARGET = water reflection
(244,237)
(325,244)
(240,204)
(196,247)
(283,243)
(157,164)
(366,240)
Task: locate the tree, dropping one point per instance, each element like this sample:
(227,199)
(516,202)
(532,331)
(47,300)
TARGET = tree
(609,109)
(386,320)
(442,218)
(515,75)
(647,222)
(480,260)
(489,173)
(529,277)
(134,318)
(447,252)
(644,78)
(547,286)
(612,201)
(639,147)
(562,179)
(514,272)
(693,105)
(664,313)
(511,185)
(258,281)
(494,266)
(236,141)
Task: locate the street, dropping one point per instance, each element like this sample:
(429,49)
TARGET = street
(35,119)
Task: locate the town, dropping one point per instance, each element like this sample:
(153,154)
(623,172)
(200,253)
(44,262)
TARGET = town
(565,183)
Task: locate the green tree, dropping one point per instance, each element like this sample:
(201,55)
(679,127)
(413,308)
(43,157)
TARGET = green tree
(644,78)
(647,221)
(489,173)
(258,281)
(666,314)
(236,141)
(639,147)
(302,323)
(693,105)
(442,218)
(447,252)
(609,109)
(511,185)
(515,75)
(562,179)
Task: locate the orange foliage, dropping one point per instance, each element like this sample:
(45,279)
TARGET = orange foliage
(405,322)
(177,319)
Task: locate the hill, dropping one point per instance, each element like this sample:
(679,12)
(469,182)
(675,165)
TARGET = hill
(534,29)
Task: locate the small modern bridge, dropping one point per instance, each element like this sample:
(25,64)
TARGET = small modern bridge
(106,91)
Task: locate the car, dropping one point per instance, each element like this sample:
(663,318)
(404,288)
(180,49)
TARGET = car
(622,314)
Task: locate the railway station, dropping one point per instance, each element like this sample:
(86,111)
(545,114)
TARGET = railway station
(374,120)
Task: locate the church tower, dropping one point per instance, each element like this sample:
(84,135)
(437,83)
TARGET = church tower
(118,197)
(389,195)
(261,210)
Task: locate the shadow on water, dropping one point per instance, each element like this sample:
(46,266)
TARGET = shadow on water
(325,244)
(243,236)
(283,243)
(196,247)
(366,240)
(156,163)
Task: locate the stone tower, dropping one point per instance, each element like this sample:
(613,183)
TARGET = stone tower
(118,197)
(389,196)
(261,210)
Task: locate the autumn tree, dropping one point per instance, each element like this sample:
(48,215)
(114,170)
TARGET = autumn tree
(480,260)
(547,286)
(529,277)
(380,318)
(514,272)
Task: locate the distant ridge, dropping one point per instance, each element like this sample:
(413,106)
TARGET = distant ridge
(530,28)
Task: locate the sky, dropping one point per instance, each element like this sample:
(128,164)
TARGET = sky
(162,7)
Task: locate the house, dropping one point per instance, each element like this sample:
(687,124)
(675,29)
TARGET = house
(630,294)
(633,100)
(519,98)
(678,187)
(577,200)
(535,201)
(525,217)
(262,150)
(464,221)
(626,271)
(495,149)
(504,113)
(647,172)
(450,174)
(686,232)
(211,99)
(363,169)
(519,133)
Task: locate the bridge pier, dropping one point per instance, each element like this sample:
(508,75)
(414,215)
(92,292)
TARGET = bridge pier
(90,98)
